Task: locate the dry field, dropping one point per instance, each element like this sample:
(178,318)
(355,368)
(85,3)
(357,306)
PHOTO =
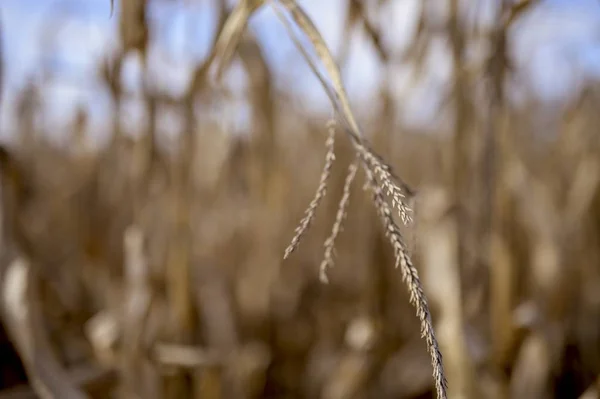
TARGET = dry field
(147,270)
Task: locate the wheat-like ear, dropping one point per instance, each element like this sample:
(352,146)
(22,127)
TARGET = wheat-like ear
(394,186)
(310,212)
(375,168)
(411,277)
(373,165)
(337,225)
(388,181)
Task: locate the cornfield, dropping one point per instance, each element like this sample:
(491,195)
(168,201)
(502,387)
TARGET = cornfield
(313,256)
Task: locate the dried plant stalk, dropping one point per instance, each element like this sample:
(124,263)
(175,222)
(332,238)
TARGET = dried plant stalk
(337,95)
(232,31)
(21,313)
(375,168)
(441,277)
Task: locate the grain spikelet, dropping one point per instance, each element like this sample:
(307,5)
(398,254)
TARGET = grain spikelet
(411,277)
(310,212)
(337,225)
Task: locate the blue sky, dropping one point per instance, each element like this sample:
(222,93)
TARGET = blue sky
(557,47)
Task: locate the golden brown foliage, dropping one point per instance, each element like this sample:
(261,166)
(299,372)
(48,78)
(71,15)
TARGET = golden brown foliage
(139,270)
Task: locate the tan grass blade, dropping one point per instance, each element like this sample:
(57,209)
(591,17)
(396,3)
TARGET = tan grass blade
(232,32)
(308,27)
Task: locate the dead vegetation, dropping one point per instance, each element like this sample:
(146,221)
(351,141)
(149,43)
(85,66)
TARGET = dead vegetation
(153,271)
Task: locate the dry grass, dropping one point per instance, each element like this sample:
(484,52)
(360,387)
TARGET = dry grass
(152,272)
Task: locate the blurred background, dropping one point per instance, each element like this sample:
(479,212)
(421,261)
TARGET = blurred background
(146,206)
